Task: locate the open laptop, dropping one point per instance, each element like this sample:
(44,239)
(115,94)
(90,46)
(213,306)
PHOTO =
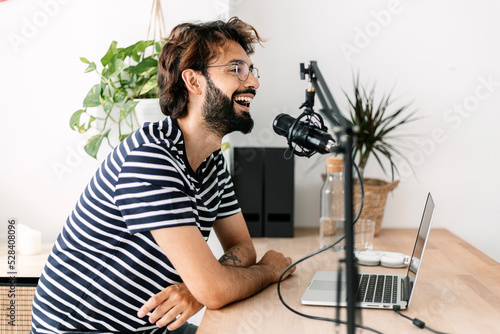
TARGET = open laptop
(392,289)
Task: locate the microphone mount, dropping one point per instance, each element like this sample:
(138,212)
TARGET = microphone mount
(308,116)
(317,83)
(344,132)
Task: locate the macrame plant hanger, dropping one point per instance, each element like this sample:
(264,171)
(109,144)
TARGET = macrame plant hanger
(156,22)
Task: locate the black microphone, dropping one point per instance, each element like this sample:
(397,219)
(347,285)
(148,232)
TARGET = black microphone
(306,136)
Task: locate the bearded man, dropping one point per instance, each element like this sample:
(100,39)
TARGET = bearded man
(132,256)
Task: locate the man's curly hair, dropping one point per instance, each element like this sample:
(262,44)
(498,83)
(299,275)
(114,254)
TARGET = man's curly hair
(194,46)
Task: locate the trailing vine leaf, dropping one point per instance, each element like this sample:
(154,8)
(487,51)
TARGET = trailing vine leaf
(109,54)
(93,97)
(149,85)
(120,95)
(159,46)
(74,121)
(127,108)
(147,66)
(123,137)
(107,103)
(116,67)
(94,143)
(92,67)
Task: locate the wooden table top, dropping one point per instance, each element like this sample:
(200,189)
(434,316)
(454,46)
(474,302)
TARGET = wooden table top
(458,290)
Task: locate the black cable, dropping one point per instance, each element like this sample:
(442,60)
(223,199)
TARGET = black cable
(338,321)
(417,322)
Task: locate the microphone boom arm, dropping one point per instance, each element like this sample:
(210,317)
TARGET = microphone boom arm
(344,132)
(330,109)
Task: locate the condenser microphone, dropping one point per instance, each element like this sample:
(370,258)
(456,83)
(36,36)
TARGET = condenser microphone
(305,135)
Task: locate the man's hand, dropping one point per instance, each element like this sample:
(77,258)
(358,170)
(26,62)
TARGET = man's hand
(210,282)
(278,262)
(175,300)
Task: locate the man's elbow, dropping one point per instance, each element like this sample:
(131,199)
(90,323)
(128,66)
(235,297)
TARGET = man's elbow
(214,305)
(213,300)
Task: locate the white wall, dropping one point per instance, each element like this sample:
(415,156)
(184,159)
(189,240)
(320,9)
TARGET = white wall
(444,55)
(43,168)
(437,54)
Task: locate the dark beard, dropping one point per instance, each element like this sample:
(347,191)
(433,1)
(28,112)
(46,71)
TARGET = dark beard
(219,114)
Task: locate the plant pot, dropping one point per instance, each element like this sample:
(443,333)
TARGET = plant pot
(376,192)
(148,110)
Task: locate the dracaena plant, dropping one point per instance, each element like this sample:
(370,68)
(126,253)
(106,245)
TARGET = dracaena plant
(377,125)
(127,74)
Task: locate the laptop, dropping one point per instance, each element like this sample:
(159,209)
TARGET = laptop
(375,290)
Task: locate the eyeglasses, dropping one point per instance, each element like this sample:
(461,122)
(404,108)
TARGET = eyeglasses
(242,70)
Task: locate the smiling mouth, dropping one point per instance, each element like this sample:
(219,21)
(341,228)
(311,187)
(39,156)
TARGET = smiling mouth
(243,100)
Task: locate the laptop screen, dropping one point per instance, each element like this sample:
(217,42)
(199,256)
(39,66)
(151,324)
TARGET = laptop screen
(420,243)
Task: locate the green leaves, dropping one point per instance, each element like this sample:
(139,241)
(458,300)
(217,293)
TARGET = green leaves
(127,74)
(120,95)
(225,146)
(116,67)
(109,54)
(149,85)
(127,108)
(147,66)
(94,143)
(377,125)
(75,121)
(135,51)
(91,67)
(93,98)
(159,46)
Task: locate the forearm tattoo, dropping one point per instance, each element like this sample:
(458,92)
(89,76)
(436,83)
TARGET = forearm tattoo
(230,259)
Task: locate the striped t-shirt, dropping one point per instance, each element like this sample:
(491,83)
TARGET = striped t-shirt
(105,264)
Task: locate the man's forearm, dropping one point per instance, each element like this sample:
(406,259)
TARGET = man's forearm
(239,257)
(215,283)
(241,283)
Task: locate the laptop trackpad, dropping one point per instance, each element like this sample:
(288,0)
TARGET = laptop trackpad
(326,285)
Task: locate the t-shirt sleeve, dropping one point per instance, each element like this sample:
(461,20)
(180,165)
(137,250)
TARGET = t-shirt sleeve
(150,191)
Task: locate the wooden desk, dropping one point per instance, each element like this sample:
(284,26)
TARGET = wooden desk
(458,290)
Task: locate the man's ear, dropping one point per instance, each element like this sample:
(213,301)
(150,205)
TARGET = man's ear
(192,80)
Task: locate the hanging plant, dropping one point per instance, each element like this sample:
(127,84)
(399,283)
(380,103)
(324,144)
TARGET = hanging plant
(127,74)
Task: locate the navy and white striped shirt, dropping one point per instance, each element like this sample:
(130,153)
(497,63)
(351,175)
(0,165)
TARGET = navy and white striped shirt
(105,264)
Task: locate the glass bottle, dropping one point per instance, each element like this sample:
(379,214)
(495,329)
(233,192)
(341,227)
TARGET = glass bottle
(332,204)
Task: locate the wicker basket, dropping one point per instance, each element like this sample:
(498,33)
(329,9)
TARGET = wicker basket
(376,192)
(24,294)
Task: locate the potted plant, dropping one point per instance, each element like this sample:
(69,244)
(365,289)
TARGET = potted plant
(376,136)
(128,75)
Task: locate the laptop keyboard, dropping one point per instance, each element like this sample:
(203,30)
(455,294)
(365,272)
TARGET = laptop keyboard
(377,288)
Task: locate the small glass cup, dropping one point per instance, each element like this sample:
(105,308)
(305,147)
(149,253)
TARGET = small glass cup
(364,231)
